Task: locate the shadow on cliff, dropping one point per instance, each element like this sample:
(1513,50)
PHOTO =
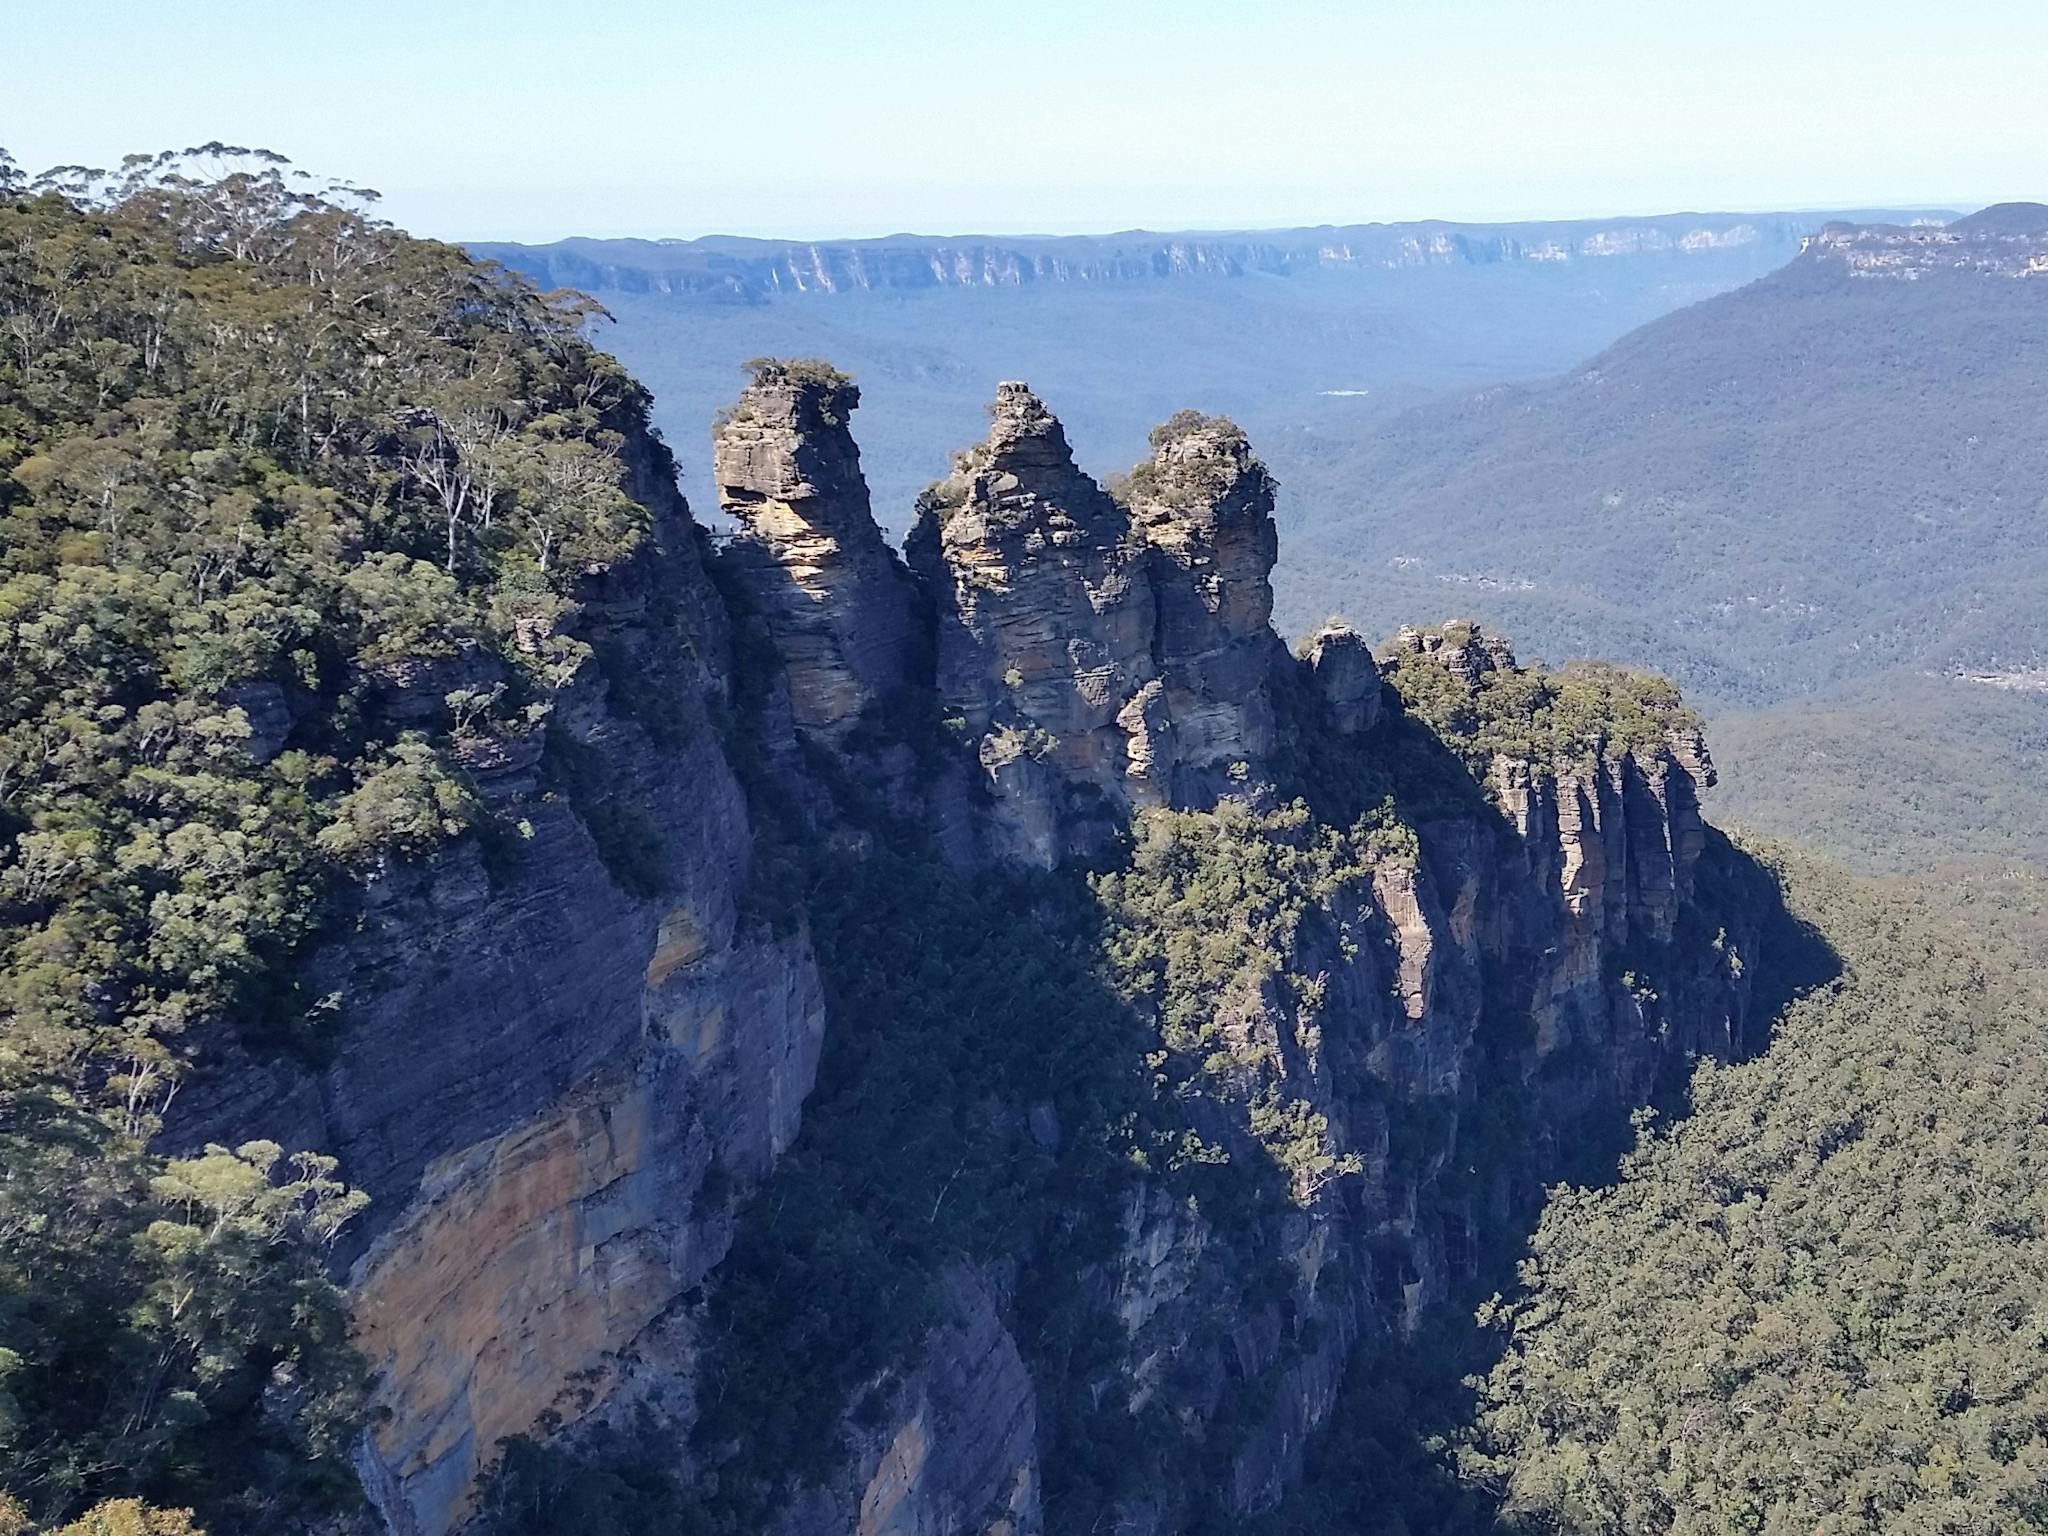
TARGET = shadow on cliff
(1383,1464)
(983,1101)
(983,1111)
(987,1104)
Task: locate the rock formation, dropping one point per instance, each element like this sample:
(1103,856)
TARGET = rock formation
(1346,677)
(1045,621)
(809,557)
(559,1074)
(1204,506)
(1102,656)
(1465,651)
(541,1062)
(959,1448)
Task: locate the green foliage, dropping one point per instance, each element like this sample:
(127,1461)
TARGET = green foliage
(251,439)
(1803,483)
(957,1005)
(1205,929)
(169,1325)
(265,463)
(797,370)
(407,802)
(1544,718)
(1816,1302)
(1897,774)
(130,1517)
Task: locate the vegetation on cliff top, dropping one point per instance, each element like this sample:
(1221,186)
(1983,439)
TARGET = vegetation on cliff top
(1543,718)
(266,467)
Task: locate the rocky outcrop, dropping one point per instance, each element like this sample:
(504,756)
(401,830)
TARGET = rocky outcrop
(1102,655)
(1045,622)
(539,1058)
(1616,839)
(2005,240)
(560,1063)
(1203,504)
(1463,649)
(1530,951)
(1346,677)
(811,562)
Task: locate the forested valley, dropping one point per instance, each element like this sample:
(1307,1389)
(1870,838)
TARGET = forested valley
(1412,1118)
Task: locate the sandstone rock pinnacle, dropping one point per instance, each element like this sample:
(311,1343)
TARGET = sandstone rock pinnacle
(1203,503)
(1347,677)
(840,608)
(1045,623)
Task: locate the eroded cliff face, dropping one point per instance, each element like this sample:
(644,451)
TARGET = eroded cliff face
(541,1053)
(809,558)
(1474,1006)
(1045,618)
(725,270)
(1104,655)
(1204,507)
(561,1070)
(958,1448)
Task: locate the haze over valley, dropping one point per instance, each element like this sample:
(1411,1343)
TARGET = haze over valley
(1294,333)
(1305,871)
(1670,412)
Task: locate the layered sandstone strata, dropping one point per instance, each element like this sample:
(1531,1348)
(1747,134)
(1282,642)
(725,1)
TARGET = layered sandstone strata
(836,602)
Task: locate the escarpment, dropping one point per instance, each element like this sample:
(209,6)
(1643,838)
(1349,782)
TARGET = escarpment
(1399,938)
(1185,1017)
(561,1053)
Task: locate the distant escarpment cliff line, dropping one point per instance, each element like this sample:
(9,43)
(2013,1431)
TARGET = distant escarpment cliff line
(736,269)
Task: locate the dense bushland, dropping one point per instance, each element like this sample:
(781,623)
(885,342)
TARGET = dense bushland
(1815,1303)
(265,464)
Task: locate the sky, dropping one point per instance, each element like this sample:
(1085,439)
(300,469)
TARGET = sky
(820,118)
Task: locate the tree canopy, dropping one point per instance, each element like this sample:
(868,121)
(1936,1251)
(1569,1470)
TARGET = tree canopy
(267,465)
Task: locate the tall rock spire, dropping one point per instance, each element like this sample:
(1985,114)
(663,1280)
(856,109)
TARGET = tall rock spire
(839,606)
(1203,503)
(1045,623)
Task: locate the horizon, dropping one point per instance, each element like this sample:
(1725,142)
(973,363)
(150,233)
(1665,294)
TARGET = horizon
(680,122)
(1957,208)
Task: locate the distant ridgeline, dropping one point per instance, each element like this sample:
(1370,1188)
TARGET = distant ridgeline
(725,267)
(1293,333)
(517,1016)
(1827,474)
(1829,485)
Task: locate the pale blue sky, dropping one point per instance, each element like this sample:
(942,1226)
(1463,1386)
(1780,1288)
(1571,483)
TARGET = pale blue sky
(521,120)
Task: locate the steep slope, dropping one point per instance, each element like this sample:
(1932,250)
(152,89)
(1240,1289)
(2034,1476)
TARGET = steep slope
(1107,1175)
(1827,474)
(829,1043)
(364,815)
